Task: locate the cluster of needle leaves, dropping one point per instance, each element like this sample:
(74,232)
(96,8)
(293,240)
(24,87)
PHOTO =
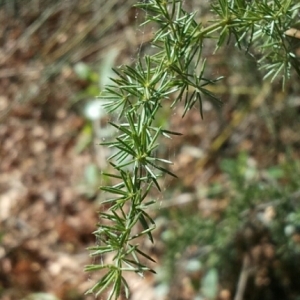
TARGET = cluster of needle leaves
(177,71)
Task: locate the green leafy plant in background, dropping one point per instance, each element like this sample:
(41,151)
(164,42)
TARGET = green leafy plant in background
(262,198)
(92,109)
(175,73)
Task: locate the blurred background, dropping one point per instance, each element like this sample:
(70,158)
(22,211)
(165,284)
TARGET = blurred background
(227,228)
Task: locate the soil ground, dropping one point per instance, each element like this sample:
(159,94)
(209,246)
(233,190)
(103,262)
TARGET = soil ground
(48,209)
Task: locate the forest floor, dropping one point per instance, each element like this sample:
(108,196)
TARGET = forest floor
(48,184)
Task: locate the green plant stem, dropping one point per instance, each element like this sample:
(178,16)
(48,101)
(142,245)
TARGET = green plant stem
(177,70)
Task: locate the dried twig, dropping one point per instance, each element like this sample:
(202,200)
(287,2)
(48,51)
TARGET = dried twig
(242,283)
(32,29)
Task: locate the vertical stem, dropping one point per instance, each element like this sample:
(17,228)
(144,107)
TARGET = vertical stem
(242,283)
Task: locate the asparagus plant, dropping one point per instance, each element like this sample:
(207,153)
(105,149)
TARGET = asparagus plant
(177,71)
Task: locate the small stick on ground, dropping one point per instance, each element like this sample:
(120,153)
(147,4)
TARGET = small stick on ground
(242,283)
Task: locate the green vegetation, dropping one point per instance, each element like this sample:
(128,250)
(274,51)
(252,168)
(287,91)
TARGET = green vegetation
(177,72)
(262,206)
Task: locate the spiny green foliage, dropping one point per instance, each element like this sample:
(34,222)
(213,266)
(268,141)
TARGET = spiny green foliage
(177,70)
(259,26)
